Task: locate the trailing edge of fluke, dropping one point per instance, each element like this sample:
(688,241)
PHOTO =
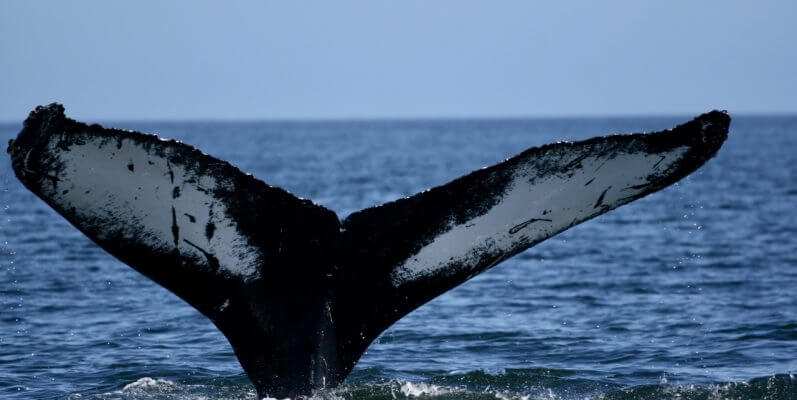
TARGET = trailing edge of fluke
(299,293)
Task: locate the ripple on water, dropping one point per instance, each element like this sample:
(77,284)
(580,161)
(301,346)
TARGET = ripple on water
(515,384)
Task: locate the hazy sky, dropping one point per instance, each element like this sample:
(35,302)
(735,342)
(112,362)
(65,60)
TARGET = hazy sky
(160,60)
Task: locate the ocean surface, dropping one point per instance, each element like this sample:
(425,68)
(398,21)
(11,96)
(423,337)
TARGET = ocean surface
(690,293)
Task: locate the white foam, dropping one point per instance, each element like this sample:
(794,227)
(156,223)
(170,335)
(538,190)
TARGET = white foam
(147,383)
(510,396)
(418,389)
(163,389)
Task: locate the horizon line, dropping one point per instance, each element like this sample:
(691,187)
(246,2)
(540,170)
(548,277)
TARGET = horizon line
(449,118)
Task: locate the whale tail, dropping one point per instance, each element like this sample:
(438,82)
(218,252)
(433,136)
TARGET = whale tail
(298,293)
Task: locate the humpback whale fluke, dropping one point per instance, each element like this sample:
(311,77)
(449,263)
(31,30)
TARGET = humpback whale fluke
(299,293)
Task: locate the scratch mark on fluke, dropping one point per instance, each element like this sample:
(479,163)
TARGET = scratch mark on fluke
(212,260)
(175,228)
(210,228)
(577,162)
(600,199)
(171,173)
(515,229)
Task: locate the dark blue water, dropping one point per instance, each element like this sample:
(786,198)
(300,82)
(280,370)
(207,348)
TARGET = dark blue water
(690,293)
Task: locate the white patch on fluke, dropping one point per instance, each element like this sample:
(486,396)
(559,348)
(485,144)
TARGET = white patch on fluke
(131,191)
(530,212)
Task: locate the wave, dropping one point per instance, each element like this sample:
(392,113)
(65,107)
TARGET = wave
(532,384)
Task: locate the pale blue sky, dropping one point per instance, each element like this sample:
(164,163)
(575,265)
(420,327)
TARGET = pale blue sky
(159,60)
